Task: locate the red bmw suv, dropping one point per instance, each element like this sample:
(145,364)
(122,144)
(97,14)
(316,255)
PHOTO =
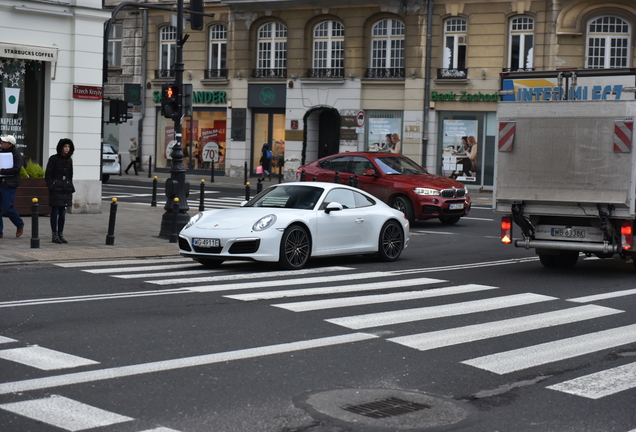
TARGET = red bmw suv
(396,180)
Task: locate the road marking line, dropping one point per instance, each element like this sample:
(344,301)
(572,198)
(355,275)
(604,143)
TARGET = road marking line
(164,274)
(472,333)
(44,358)
(605,296)
(433,232)
(536,355)
(255,275)
(180,363)
(72,299)
(384,298)
(74,264)
(287,282)
(477,219)
(600,384)
(301,292)
(468,266)
(6,340)
(431,312)
(65,413)
(193,266)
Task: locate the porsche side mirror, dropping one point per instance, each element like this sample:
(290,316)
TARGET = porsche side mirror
(371,173)
(333,206)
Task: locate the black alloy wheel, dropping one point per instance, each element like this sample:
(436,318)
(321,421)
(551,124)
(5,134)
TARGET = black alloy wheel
(295,248)
(391,242)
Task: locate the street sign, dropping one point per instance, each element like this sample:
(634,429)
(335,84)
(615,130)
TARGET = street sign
(360,118)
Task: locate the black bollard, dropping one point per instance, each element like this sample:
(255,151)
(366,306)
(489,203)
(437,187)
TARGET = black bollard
(212,173)
(247,191)
(280,172)
(201,195)
(153,203)
(336,178)
(175,218)
(355,181)
(350,181)
(259,185)
(149,166)
(314,178)
(35,224)
(110,237)
(245,173)
(302,175)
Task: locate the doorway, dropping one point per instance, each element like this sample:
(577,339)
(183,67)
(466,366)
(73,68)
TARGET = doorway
(268,126)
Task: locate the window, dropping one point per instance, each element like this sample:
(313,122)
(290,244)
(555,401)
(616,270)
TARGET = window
(271,60)
(521,43)
(328,50)
(608,43)
(342,196)
(168,52)
(387,50)
(218,52)
(114,45)
(338,163)
(454,60)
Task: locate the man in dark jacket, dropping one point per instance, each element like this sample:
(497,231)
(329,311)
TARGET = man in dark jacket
(9,178)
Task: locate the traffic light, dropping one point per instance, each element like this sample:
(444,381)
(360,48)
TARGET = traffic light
(196,20)
(118,112)
(170,101)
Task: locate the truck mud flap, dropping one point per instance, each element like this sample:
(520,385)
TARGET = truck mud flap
(572,246)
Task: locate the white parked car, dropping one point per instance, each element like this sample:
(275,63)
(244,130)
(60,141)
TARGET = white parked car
(110,163)
(291,222)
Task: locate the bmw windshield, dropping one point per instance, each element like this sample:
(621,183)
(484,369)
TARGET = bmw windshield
(399,165)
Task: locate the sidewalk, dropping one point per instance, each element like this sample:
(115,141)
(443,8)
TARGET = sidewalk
(136,227)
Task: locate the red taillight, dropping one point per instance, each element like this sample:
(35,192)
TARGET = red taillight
(506,229)
(627,235)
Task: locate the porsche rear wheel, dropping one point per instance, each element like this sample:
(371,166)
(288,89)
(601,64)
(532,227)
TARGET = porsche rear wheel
(391,242)
(295,248)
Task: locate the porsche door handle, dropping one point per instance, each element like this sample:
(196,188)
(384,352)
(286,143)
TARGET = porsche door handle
(359,220)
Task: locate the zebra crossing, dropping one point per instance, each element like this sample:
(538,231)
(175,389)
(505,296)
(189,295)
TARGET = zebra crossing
(209,203)
(342,290)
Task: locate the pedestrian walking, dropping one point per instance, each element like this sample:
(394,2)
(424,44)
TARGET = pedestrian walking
(59,179)
(11,161)
(266,161)
(132,151)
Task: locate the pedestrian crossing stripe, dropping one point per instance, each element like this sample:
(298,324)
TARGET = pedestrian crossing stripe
(44,358)
(600,384)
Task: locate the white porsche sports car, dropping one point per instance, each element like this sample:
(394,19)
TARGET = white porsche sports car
(291,222)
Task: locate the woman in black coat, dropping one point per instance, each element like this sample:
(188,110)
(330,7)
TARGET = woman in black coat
(59,179)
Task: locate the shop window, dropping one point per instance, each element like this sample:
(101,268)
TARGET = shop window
(387,50)
(167,52)
(114,45)
(454,58)
(271,59)
(384,131)
(218,52)
(608,43)
(328,50)
(521,44)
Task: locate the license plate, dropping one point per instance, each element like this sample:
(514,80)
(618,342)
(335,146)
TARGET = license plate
(456,206)
(568,232)
(206,243)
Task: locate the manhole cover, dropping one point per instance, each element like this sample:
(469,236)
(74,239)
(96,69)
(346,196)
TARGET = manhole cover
(386,408)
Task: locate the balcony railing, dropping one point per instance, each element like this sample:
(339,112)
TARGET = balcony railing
(325,73)
(215,73)
(517,69)
(164,73)
(269,73)
(385,73)
(452,73)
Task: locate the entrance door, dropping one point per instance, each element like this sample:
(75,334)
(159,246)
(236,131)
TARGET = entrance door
(268,127)
(328,133)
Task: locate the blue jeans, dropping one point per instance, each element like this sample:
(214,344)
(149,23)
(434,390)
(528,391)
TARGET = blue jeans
(7,195)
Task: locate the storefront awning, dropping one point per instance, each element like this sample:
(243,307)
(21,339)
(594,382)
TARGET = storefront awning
(30,52)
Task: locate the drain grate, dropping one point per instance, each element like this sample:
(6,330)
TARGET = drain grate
(389,407)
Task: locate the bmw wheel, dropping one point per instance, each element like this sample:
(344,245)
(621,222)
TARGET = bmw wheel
(295,248)
(391,242)
(404,205)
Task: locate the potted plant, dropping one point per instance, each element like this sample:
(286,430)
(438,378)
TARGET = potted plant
(32,185)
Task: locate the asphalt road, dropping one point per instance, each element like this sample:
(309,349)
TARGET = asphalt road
(470,334)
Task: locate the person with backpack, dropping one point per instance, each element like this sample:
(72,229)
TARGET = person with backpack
(266,161)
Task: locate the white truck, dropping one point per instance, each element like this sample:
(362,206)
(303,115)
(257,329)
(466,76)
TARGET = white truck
(566,163)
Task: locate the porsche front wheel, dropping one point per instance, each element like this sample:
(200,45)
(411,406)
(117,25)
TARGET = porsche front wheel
(295,248)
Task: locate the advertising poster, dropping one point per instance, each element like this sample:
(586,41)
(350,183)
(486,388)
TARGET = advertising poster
(385,135)
(460,150)
(170,141)
(209,142)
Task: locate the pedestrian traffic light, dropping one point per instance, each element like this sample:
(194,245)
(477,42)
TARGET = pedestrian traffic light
(170,101)
(118,111)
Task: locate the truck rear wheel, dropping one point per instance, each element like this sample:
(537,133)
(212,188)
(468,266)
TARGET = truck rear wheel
(566,259)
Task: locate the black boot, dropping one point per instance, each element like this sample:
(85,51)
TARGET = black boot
(61,237)
(56,238)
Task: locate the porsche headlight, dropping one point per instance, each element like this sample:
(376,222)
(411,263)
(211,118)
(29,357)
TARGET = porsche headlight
(193,220)
(426,191)
(264,223)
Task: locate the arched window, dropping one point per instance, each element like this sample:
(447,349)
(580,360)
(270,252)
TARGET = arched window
(271,59)
(387,49)
(608,43)
(218,52)
(454,59)
(521,43)
(167,52)
(328,50)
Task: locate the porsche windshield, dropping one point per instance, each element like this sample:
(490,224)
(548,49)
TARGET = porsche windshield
(399,165)
(297,197)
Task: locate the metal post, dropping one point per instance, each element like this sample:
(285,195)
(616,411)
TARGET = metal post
(336,178)
(153,203)
(245,172)
(247,191)
(175,219)
(110,237)
(280,170)
(201,195)
(35,224)
(212,172)
(314,178)
(259,185)
(355,180)
(302,175)
(149,166)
